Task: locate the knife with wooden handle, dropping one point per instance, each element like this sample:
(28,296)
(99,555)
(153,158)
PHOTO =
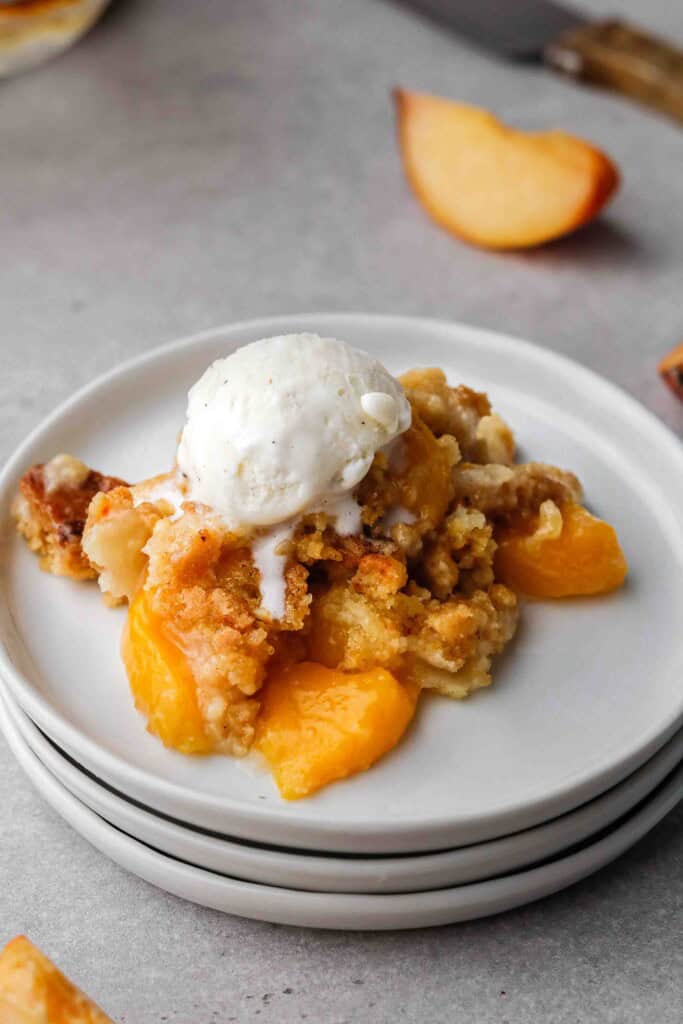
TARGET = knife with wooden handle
(609,53)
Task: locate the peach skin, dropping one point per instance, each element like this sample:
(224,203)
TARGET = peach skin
(495,186)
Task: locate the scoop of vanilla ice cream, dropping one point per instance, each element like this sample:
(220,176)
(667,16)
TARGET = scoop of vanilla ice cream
(286,425)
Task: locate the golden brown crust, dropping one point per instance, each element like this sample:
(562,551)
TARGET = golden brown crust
(374,619)
(496,439)
(51,509)
(475,630)
(204,586)
(414,591)
(456,411)
(458,556)
(510,492)
(114,537)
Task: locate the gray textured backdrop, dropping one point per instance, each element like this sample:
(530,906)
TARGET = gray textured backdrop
(191,164)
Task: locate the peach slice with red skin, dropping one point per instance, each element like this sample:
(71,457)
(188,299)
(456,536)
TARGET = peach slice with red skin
(495,186)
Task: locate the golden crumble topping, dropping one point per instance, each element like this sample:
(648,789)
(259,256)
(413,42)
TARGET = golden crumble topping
(414,592)
(50,511)
(507,492)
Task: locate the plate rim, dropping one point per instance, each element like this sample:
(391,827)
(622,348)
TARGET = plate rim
(577,826)
(575,790)
(391,911)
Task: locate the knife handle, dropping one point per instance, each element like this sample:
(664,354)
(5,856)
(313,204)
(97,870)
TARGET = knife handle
(616,56)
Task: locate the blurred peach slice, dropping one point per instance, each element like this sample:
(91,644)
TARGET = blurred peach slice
(34,991)
(494,186)
(671,370)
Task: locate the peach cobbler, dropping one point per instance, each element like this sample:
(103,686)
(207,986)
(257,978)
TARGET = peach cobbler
(331,543)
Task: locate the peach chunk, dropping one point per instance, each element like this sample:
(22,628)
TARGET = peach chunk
(495,186)
(671,370)
(318,724)
(161,681)
(563,552)
(34,991)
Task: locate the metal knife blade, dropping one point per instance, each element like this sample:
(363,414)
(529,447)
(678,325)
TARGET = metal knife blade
(516,29)
(611,54)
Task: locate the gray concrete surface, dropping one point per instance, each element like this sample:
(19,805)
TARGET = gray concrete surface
(191,164)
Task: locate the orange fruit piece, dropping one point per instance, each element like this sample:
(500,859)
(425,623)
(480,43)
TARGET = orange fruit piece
(495,186)
(671,370)
(161,681)
(318,724)
(577,554)
(423,485)
(34,991)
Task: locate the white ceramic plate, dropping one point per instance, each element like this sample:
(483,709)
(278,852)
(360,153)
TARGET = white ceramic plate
(590,690)
(340,910)
(351,874)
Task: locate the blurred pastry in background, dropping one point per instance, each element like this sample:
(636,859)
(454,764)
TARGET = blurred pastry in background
(32,31)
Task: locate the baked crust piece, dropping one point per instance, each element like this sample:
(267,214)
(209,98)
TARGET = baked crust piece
(504,493)
(50,510)
(202,583)
(379,617)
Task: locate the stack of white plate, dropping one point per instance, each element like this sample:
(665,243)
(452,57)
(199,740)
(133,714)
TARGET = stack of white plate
(570,757)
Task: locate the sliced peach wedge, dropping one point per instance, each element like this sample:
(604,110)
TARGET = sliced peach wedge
(34,991)
(495,186)
(161,681)
(562,552)
(318,725)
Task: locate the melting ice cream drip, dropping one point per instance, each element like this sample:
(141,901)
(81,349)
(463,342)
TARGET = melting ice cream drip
(271,565)
(283,427)
(164,488)
(269,551)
